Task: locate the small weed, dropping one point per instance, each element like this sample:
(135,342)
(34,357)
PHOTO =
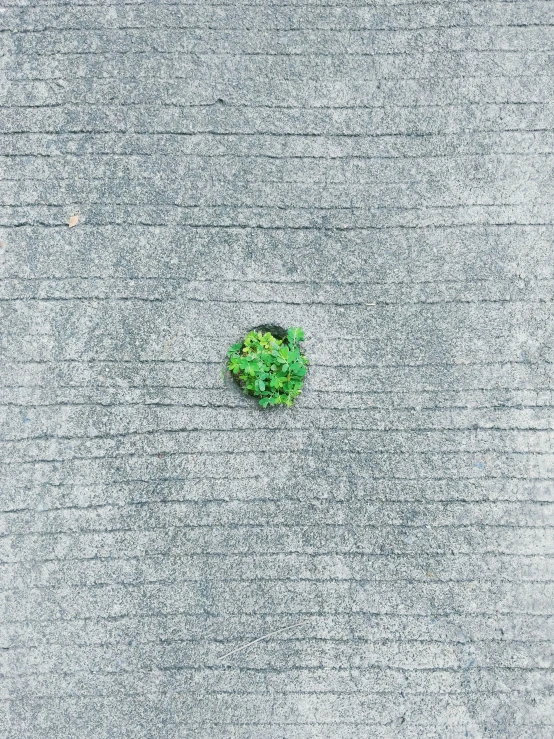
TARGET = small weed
(271,369)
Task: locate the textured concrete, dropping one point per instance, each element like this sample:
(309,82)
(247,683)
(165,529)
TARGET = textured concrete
(380,174)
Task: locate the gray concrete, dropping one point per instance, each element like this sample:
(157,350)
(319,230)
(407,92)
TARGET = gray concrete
(380,174)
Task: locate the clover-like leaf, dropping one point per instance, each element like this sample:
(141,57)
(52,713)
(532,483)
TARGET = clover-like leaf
(294,335)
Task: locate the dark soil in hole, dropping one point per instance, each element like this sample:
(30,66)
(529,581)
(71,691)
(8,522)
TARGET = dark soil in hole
(278,331)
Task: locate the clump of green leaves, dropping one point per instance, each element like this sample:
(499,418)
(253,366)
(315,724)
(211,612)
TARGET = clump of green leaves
(271,369)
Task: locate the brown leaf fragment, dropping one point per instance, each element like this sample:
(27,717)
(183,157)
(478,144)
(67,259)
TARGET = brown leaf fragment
(74,220)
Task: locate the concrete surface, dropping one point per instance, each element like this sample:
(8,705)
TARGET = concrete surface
(380,174)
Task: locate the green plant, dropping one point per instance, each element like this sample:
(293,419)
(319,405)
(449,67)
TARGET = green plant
(269,368)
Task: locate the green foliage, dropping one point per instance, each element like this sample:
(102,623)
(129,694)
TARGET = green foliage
(269,368)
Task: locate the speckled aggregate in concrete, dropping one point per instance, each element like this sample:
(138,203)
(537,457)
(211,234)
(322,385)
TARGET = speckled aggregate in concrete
(381,174)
